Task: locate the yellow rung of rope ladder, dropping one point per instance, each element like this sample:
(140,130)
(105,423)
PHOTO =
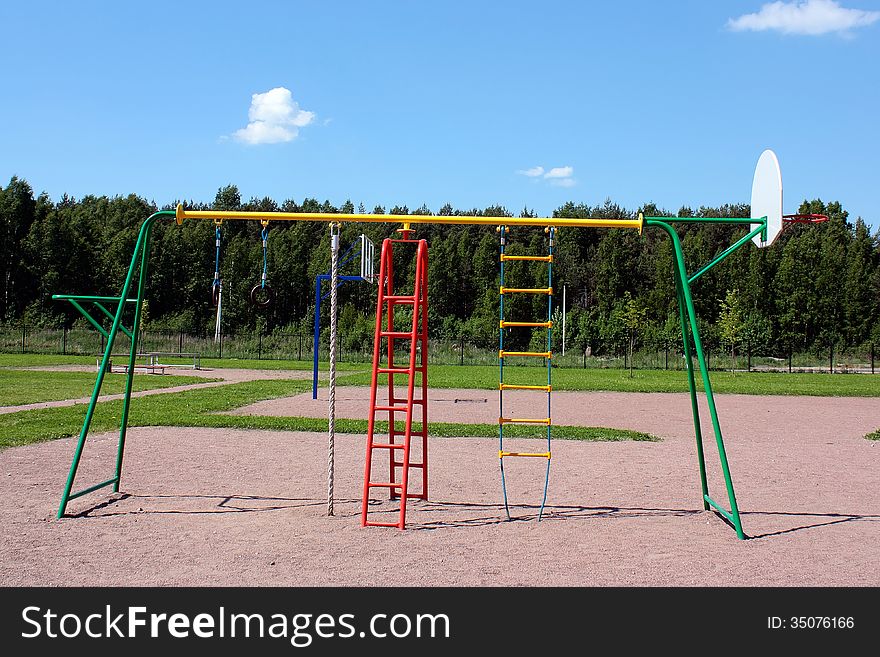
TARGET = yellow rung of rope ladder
(524,420)
(538,354)
(527,290)
(505,324)
(516,386)
(546,258)
(502,454)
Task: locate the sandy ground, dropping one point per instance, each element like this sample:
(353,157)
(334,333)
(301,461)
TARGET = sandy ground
(227,507)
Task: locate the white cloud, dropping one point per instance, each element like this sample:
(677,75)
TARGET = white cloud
(556,176)
(560,172)
(274,117)
(811,17)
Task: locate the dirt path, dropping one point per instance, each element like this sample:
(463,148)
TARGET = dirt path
(227,375)
(229,507)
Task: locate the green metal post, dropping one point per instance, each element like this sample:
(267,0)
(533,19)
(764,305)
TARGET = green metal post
(117,321)
(692,386)
(91,320)
(132,356)
(745,239)
(732,515)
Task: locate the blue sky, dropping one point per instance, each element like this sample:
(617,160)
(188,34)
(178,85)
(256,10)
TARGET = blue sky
(435,102)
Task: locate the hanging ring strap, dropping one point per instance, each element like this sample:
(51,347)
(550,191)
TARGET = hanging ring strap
(262,294)
(215,285)
(265,236)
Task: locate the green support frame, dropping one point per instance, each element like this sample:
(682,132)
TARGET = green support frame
(690,327)
(138,268)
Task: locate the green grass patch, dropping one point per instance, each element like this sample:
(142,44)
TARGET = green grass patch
(32,386)
(206,407)
(746,383)
(43,360)
(874,435)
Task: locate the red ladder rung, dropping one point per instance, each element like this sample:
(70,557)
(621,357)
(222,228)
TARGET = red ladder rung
(398,334)
(386,446)
(383,484)
(399,409)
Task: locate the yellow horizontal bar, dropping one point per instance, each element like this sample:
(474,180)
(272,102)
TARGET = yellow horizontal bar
(538,354)
(516,386)
(339,217)
(502,454)
(527,290)
(535,324)
(524,420)
(546,258)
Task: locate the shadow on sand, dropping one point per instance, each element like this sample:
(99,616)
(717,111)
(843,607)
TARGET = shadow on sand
(476,515)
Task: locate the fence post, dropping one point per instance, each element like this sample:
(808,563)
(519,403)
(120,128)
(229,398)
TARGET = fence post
(64,341)
(585,359)
(23,330)
(749,367)
(299,353)
(220,354)
(666,357)
(461,350)
(831,358)
(260,344)
(789,359)
(102,343)
(872,358)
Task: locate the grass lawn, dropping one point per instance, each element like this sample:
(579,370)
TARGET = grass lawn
(613,380)
(32,386)
(43,360)
(204,408)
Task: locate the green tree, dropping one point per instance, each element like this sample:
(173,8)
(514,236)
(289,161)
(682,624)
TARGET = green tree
(731,323)
(635,318)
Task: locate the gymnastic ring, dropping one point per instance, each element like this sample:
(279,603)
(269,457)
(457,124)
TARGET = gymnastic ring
(215,294)
(255,300)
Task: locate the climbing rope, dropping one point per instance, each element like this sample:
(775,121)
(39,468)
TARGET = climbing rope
(334,283)
(262,294)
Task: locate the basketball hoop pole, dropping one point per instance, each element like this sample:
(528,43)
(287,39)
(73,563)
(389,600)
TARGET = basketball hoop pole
(688,319)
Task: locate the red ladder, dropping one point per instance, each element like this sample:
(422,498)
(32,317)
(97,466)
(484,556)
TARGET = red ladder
(399,450)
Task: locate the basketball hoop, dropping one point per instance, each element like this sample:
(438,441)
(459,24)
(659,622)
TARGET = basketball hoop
(767,201)
(804,218)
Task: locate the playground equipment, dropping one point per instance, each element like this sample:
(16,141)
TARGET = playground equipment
(262,293)
(365,259)
(417,363)
(217,284)
(766,226)
(546,355)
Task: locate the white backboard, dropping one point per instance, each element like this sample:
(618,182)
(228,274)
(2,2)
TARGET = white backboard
(767,197)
